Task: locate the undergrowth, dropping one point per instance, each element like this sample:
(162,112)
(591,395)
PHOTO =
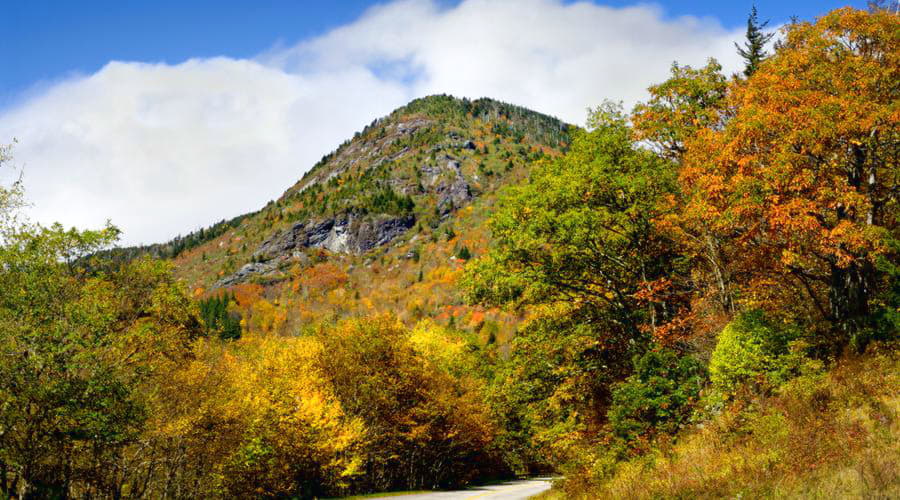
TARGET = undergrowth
(824,434)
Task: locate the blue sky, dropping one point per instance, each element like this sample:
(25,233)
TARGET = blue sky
(47,40)
(166,115)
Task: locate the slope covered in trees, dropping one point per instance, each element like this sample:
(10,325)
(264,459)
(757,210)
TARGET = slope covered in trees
(384,223)
(696,298)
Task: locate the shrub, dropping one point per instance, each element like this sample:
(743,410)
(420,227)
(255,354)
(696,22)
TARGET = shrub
(752,349)
(658,397)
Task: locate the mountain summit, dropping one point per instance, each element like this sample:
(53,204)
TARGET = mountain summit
(402,203)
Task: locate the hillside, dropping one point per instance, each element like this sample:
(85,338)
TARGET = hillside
(382,224)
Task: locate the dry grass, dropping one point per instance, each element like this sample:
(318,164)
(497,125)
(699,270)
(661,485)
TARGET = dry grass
(553,494)
(828,435)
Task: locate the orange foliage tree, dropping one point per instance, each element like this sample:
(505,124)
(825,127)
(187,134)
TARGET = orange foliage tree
(802,179)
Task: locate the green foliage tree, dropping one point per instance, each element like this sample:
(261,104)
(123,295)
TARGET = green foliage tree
(81,343)
(576,242)
(690,100)
(387,201)
(657,398)
(218,320)
(750,349)
(580,231)
(78,353)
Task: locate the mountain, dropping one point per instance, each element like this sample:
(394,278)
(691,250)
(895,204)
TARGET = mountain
(382,224)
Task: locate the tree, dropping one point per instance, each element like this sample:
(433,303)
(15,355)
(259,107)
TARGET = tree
(802,180)
(78,354)
(691,99)
(82,341)
(218,320)
(657,398)
(426,426)
(10,197)
(581,231)
(754,49)
(577,243)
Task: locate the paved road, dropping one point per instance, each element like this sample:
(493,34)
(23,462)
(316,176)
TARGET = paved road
(511,490)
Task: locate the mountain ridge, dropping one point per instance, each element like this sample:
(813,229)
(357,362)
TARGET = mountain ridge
(403,203)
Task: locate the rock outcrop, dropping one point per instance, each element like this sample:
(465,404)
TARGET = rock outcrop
(341,234)
(448,183)
(249,269)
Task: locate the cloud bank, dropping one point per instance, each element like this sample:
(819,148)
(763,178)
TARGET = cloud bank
(164,149)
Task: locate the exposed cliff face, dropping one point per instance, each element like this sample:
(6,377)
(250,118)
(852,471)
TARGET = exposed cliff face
(350,233)
(344,234)
(447,181)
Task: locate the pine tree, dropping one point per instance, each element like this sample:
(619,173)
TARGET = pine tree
(218,320)
(754,49)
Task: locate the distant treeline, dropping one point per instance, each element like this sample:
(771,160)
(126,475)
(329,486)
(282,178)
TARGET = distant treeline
(174,247)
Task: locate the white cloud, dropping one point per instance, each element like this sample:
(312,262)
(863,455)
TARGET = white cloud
(163,149)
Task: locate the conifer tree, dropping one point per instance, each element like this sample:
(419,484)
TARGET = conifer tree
(754,49)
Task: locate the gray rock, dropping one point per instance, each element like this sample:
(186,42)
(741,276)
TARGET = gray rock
(453,192)
(341,234)
(369,234)
(447,181)
(247,270)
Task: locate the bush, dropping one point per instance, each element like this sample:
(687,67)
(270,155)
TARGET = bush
(752,349)
(658,397)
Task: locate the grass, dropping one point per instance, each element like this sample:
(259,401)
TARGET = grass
(552,494)
(832,434)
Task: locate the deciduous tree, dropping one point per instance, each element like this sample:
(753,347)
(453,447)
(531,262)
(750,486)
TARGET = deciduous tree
(802,181)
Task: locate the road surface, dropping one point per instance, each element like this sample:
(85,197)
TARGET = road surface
(510,490)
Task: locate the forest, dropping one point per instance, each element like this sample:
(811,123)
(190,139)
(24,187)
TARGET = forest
(697,297)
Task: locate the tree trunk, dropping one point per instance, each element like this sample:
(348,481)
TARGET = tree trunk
(850,290)
(851,286)
(722,280)
(3,488)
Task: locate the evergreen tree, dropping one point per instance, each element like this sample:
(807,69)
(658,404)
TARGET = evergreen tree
(754,49)
(218,320)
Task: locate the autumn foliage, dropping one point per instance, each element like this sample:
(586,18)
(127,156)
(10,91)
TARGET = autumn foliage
(783,208)
(801,181)
(698,298)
